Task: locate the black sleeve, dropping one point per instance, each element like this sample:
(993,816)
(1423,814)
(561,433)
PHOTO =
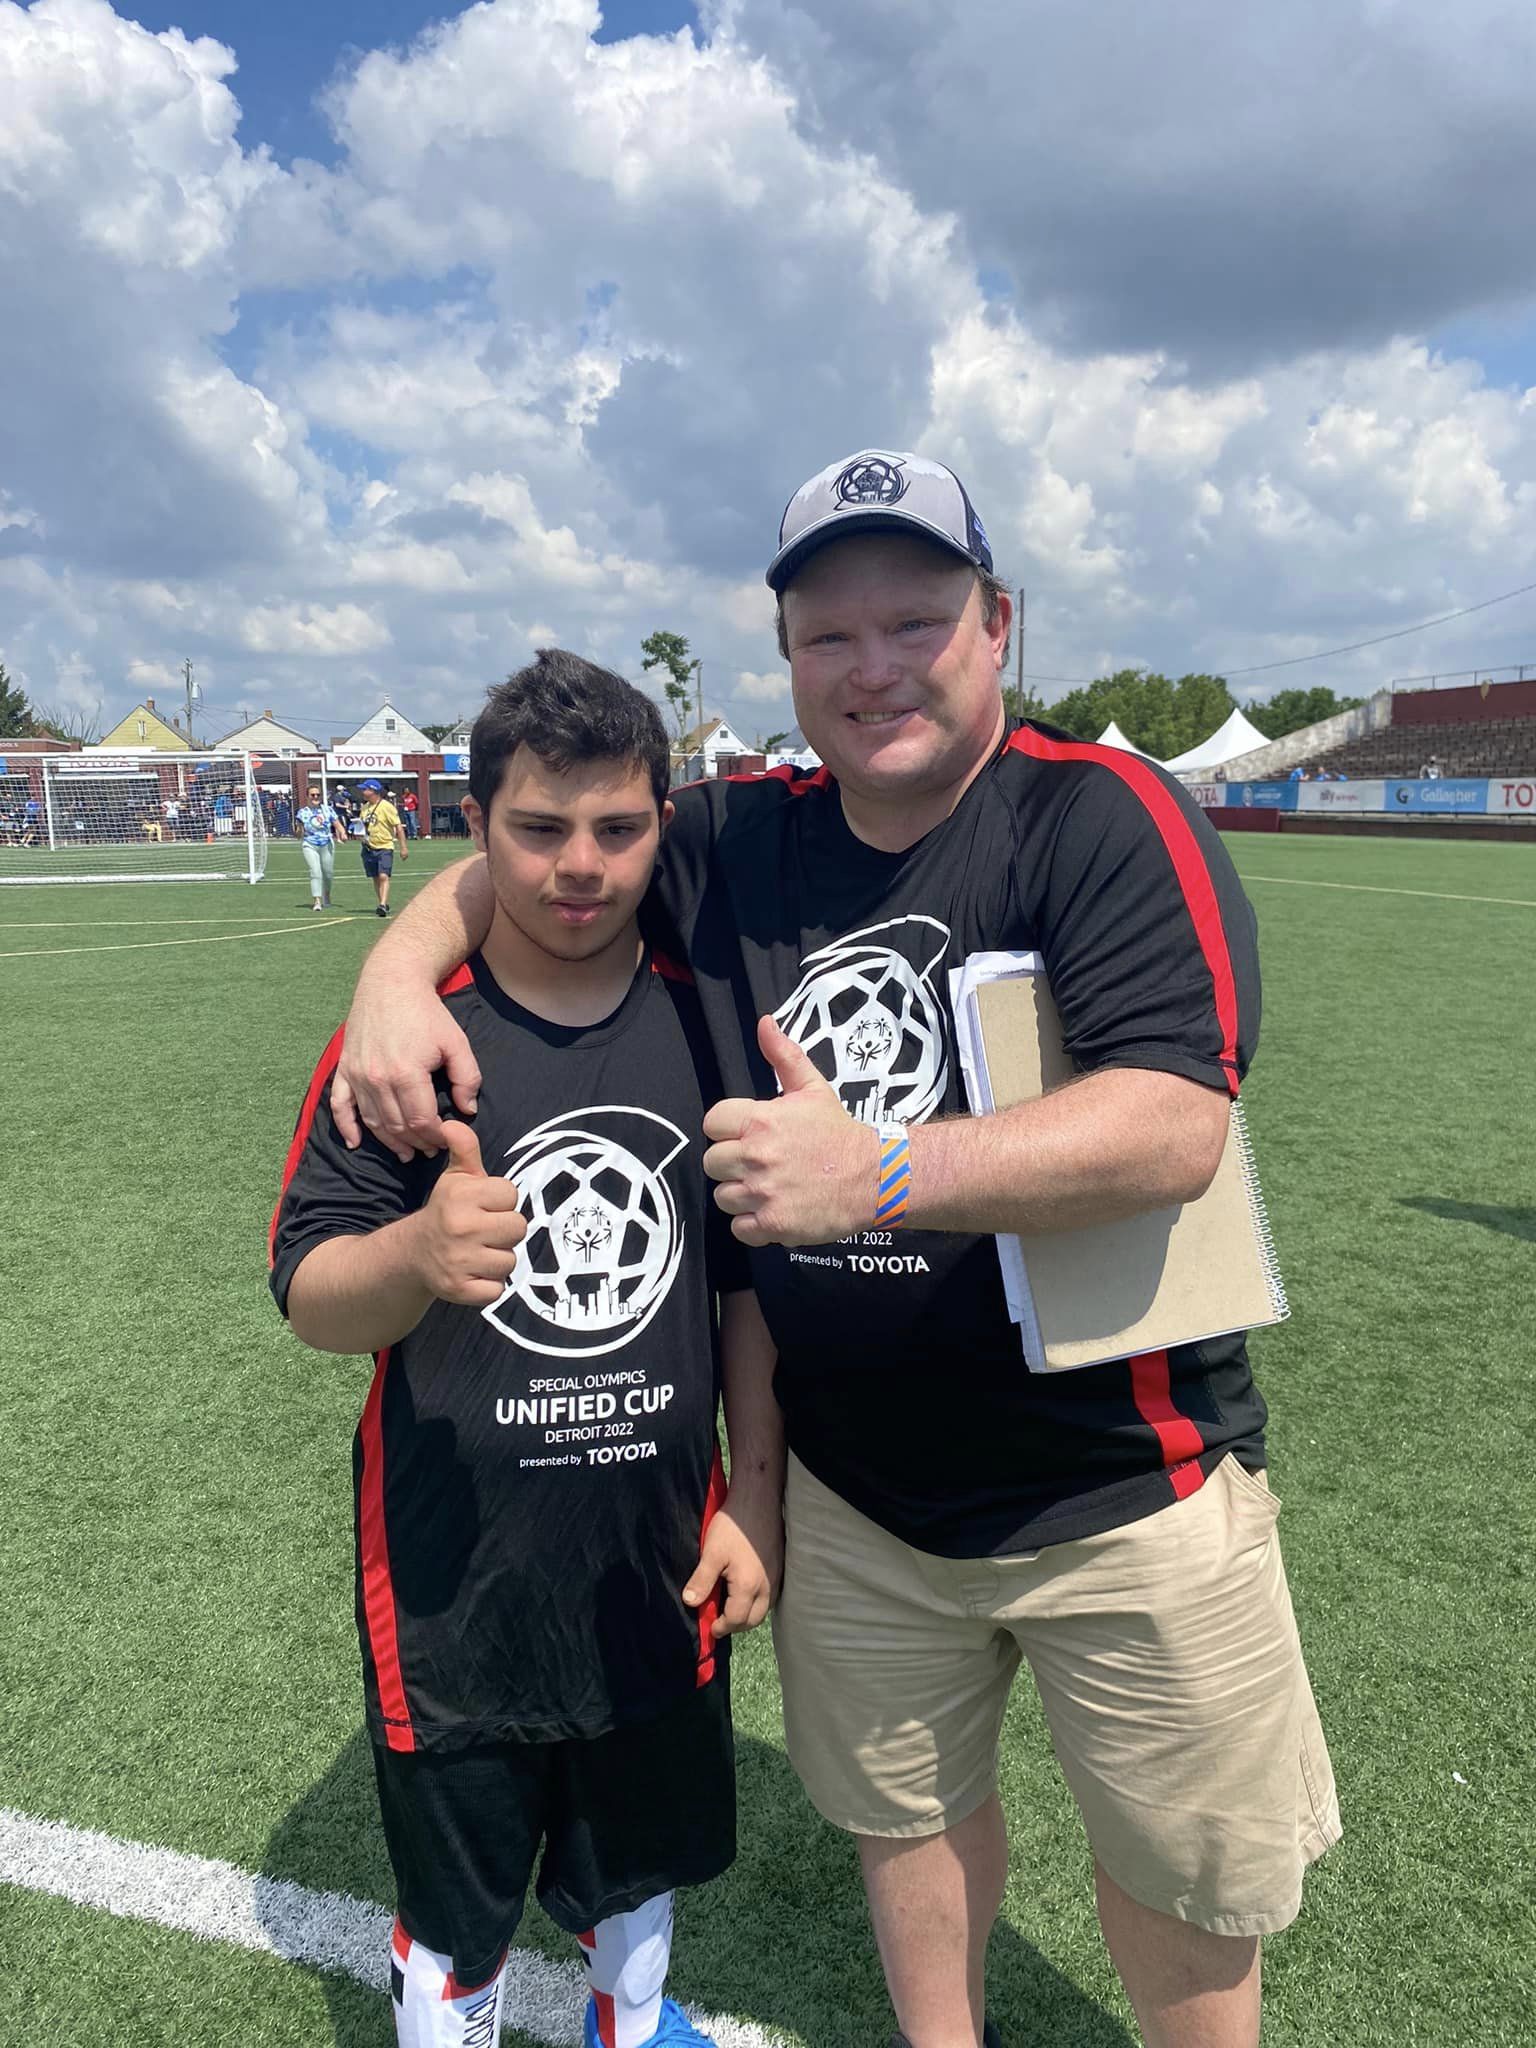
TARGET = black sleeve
(331,1192)
(682,868)
(1150,945)
(726,1258)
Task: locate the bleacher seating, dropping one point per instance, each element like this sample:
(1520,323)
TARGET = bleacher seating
(1494,746)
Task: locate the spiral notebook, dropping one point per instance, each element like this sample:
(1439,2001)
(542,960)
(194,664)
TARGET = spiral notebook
(1110,1290)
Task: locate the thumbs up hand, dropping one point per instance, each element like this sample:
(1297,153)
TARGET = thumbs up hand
(798,1169)
(468,1233)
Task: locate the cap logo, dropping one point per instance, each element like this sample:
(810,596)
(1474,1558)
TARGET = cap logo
(871,480)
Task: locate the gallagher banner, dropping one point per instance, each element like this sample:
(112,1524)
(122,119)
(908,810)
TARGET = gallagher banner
(1444,793)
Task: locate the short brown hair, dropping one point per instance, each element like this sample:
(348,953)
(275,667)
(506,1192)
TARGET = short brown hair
(991,587)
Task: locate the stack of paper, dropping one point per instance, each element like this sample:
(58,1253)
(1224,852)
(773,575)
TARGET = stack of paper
(1142,1283)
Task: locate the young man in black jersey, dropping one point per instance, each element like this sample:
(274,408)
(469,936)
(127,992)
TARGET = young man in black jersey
(948,1513)
(543,1527)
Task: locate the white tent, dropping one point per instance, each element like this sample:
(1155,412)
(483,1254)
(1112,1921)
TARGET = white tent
(1112,736)
(1237,736)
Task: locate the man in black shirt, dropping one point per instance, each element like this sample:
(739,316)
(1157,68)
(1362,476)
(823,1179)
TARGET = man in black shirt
(542,1518)
(948,1513)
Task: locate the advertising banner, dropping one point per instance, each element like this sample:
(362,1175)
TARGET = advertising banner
(1441,794)
(456,763)
(363,761)
(1210,796)
(1345,797)
(1513,795)
(1263,796)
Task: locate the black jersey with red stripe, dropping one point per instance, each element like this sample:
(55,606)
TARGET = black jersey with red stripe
(900,1375)
(532,1479)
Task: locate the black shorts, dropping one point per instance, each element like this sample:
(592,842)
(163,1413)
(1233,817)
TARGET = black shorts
(378,860)
(622,1818)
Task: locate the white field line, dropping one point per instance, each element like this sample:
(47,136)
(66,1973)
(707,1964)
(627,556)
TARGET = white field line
(70,924)
(331,1931)
(278,931)
(1377,889)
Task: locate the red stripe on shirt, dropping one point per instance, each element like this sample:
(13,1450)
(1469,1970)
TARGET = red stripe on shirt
(460,978)
(607,2023)
(400,1942)
(1183,849)
(791,777)
(378,1587)
(709,1613)
(1178,1438)
(301,1130)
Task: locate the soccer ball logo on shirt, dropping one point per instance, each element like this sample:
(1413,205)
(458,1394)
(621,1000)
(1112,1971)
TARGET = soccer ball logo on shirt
(866,1013)
(604,1241)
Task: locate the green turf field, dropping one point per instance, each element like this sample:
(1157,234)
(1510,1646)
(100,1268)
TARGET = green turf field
(177,1659)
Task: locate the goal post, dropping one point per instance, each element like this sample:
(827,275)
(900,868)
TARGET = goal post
(143,816)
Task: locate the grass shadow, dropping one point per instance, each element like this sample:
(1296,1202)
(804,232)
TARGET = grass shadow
(1509,1222)
(782,1939)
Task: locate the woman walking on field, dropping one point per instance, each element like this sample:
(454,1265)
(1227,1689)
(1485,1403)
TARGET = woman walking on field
(321,829)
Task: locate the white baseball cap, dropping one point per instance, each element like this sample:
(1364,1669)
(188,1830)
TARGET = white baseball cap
(874,490)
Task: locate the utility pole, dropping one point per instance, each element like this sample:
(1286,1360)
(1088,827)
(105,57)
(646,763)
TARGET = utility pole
(698,678)
(193,693)
(1019,629)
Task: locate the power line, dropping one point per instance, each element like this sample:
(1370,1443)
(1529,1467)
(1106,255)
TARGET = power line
(1259,668)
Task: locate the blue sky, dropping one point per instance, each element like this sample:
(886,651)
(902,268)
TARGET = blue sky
(543,358)
(289,51)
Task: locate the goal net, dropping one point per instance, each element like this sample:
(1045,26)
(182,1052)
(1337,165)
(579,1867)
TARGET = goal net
(139,817)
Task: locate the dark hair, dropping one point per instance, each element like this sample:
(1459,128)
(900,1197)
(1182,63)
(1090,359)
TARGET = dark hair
(566,710)
(990,586)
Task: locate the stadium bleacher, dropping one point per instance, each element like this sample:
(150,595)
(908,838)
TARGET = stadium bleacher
(1493,746)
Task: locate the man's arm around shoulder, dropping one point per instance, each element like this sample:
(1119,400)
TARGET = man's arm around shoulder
(399,1032)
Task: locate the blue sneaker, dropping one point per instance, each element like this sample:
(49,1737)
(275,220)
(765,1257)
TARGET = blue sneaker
(675,2029)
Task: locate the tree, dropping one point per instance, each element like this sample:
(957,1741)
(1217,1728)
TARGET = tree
(438,733)
(1021,703)
(767,743)
(669,651)
(16,719)
(72,724)
(1158,715)
(1289,710)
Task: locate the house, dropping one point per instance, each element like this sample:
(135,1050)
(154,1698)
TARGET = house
(387,731)
(265,735)
(457,740)
(143,728)
(707,750)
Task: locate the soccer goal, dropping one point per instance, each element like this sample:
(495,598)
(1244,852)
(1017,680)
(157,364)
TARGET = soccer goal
(142,817)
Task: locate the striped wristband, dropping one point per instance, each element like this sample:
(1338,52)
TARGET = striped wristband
(894,1186)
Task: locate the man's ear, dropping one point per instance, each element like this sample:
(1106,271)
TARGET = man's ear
(474,818)
(668,813)
(999,632)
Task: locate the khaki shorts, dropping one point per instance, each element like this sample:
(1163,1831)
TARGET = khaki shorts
(1168,1665)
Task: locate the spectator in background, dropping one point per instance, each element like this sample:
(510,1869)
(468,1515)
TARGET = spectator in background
(1297,774)
(408,807)
(321,829)
(282,816)
(1430,770)
(382,831)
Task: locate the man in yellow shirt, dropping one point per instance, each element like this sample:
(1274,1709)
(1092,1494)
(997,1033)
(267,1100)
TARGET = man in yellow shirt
(382,830)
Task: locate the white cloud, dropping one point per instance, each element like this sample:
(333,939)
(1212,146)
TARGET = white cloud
(312,629)
(770,688)
(569,321)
